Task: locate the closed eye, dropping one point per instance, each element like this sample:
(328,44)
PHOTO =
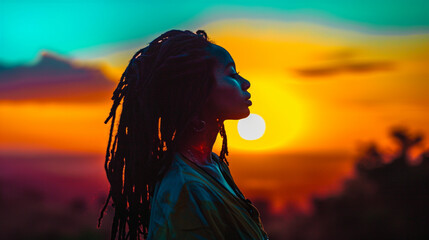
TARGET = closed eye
(235,74)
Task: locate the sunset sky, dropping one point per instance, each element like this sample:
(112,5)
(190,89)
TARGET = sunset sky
(325,76)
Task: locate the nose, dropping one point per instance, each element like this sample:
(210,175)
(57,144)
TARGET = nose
(245,84)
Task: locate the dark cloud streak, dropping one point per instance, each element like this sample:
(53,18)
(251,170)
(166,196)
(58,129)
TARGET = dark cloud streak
(345,67)
(54,79)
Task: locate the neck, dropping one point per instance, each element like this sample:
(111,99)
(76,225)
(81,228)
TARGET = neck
(198,146)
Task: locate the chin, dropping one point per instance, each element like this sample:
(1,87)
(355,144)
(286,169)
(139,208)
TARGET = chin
(240,115)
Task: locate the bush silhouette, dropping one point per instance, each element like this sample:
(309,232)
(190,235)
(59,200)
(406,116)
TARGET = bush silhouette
(387,199)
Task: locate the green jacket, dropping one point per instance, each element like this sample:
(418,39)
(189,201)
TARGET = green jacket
(188,203)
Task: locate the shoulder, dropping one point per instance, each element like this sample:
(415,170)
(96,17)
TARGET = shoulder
(182,213)
(180,180)
(221,164)
(217,159)
(197,191)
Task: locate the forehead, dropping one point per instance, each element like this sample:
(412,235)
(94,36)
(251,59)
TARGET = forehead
(222,55)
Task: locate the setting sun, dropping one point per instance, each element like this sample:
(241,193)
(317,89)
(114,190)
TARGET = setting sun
(252,127)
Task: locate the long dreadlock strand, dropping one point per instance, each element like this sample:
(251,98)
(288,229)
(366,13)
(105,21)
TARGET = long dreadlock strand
(118,95)
(224,150)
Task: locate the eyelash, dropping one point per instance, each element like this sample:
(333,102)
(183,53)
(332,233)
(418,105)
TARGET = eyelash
(235,74)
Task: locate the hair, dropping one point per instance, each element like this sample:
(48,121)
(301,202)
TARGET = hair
(163,86)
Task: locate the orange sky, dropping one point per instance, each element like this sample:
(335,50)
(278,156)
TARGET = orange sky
(321,92)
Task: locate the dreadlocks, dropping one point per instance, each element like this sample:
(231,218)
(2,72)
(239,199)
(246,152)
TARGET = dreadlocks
(163,85)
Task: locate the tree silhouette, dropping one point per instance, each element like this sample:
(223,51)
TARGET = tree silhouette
(388,198)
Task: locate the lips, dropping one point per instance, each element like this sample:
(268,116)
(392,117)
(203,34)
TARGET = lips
(247,100)
(248,96)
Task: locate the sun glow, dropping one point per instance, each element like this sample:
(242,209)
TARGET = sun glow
(284,113)
(252,127)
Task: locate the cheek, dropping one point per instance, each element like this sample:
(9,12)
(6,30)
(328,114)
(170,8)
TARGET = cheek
(225,98)
(228,92)
(228,88)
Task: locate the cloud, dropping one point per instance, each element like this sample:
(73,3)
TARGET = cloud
(350,67)
(54,79)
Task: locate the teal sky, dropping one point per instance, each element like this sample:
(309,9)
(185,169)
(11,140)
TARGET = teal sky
(66,27)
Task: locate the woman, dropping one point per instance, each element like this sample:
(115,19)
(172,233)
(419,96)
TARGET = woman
(165,181)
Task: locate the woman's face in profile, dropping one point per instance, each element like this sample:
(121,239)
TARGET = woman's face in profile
(229,98)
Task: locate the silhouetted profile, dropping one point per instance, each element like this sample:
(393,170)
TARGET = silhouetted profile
(165,181)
